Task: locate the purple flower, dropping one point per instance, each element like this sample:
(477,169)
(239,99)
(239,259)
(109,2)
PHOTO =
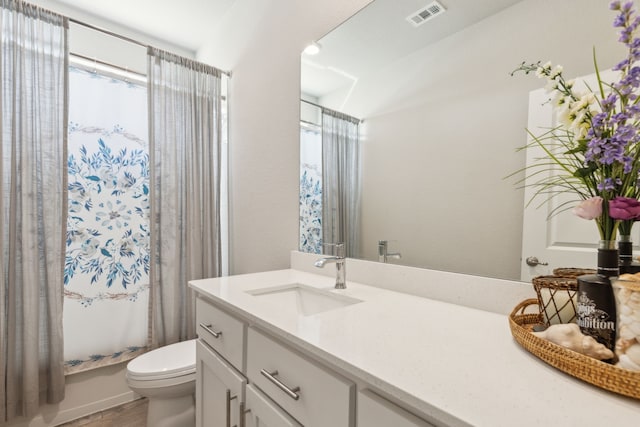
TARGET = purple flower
(609,103)
(600,132)
(590,208)
(619,21)
(624,208)
(609,184)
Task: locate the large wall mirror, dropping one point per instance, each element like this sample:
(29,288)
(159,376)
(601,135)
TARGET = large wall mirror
(443,118)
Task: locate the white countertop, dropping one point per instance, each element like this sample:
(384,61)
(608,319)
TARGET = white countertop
(456,364)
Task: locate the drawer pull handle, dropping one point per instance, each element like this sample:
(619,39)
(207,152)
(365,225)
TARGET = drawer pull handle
(291,392)
(211,331)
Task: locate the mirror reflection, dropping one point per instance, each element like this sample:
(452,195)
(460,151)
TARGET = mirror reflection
(439,121)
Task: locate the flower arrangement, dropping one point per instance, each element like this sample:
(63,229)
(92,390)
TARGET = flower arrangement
(596,144)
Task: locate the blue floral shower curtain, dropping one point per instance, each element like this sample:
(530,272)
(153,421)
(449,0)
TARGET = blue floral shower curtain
(106,276)
(310,232)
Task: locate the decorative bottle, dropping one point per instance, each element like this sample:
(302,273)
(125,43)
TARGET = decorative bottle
(595,305)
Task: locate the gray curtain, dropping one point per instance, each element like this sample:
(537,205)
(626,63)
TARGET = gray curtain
(33,72)
(185,147)
(340,181)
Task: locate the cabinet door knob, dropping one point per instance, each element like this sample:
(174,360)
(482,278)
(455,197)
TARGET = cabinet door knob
(291,392)
(211,331)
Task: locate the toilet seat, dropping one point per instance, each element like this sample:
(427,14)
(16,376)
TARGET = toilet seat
(167,377)
(164,363)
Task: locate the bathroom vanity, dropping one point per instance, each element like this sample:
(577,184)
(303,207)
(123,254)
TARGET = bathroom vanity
(284,348)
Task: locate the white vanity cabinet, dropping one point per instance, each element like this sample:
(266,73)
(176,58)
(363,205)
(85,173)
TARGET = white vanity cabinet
(220,390)
(220,383)
(375,411)
(221,331)
(263,412)
(248,377)
(313,395)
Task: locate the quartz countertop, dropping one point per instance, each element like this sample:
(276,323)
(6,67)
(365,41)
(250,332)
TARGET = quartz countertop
(457,365)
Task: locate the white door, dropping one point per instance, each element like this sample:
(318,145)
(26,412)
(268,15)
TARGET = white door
(562,239)
(262,412)
(219,390)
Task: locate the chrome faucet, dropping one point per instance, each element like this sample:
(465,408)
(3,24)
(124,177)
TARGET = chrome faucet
(339,260)
(383,251)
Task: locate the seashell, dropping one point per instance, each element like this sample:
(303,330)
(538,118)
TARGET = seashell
(624,294)
(622,345)
(633,304)
(625,320)
(635,328)
(568,335)
(635,296)
(633,352)
(630,277)
(625,362)
(625,310)
(625,332)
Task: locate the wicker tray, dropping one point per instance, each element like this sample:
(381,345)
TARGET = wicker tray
(593,371)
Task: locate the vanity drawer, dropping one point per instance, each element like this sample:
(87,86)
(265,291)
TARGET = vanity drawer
(223,332)
(374,410)
(313,395)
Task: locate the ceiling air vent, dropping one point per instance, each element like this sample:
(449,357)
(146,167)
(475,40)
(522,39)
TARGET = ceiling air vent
(426,13)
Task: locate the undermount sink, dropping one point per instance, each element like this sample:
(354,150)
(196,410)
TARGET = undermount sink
(306,300)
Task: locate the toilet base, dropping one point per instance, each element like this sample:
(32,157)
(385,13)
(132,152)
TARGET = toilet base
(173,412)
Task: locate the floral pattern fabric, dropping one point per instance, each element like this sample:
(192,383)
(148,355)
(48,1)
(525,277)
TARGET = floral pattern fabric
(310,192)
(107,228)
(106,274)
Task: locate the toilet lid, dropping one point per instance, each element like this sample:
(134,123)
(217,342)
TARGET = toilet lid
(171,360)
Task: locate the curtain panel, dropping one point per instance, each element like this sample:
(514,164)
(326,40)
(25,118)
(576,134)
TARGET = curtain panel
(185,161)
(340,181)
(33,75)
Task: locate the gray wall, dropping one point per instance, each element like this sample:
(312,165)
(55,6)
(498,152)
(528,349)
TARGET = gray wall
(264,127)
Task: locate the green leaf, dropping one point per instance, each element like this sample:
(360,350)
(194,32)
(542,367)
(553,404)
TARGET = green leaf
(583,172)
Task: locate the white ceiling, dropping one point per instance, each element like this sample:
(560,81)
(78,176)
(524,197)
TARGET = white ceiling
(380,34)
(377,35)
(186,23)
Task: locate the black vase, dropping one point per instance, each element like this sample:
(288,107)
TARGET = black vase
(595,305)
(625,249)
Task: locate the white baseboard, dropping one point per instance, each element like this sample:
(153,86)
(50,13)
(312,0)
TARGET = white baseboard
(50,416)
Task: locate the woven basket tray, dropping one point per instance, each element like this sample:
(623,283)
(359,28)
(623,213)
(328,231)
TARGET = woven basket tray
(593,371)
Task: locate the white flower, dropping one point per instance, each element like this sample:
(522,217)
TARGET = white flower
(89,246)
(543,70)
(559,100)
(582,130)
(566,116)
(556,72)
(586,100)
(578,121)
(551,86)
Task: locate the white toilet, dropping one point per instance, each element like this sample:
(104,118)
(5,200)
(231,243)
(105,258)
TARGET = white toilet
(166,376)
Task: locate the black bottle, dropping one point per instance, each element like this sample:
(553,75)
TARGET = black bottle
(595,305)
